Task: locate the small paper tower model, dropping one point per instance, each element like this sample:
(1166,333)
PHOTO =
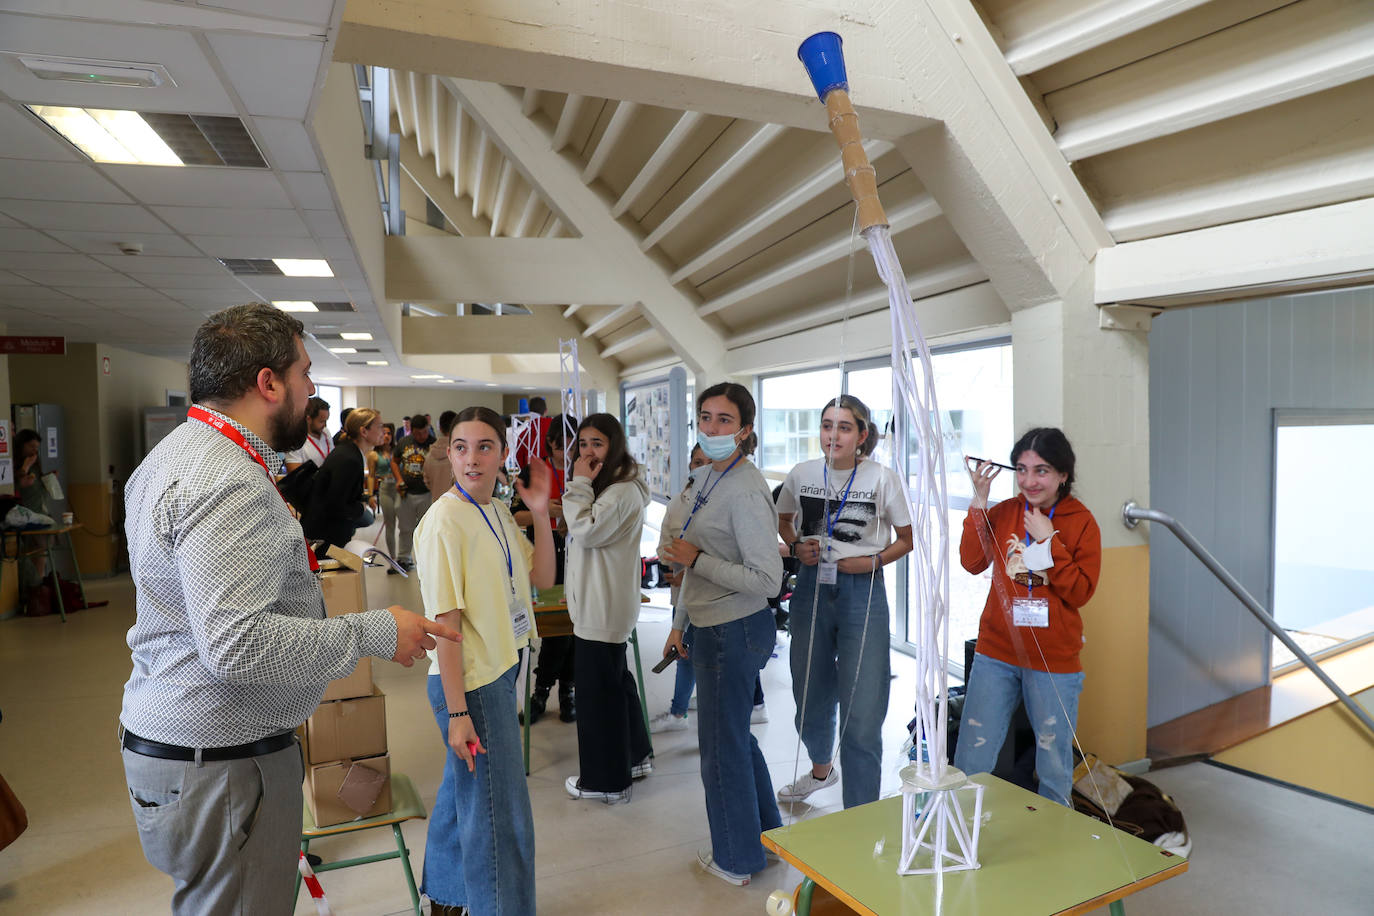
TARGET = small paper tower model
(572,392)
(932,815)
(524,439)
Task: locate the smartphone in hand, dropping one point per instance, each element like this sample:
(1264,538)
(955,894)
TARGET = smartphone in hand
(667,660)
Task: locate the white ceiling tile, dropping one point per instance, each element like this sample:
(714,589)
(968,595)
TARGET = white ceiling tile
(317,12)
(337,250)
(197,221)
(224,280)
(78,283)
(287,144)
(6,221)
(26,262)
(33,293)
(47,214)
(198,89)
(310,190)
(9,279)
(28,240)
(165,245)
(212,299)
(30,179)
(199,186)
(143,264)
(223,246)
(295,287)
(273,76)
(135,296)
(26,137)
(325,224)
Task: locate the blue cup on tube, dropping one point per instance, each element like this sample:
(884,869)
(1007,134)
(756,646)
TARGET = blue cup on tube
(823,57)
(524,406)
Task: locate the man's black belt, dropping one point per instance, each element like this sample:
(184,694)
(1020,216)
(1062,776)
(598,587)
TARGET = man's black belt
(268,745)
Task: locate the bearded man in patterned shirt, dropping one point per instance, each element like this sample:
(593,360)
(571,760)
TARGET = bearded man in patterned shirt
(231,646)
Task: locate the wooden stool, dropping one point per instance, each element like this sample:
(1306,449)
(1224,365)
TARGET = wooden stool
(406,805)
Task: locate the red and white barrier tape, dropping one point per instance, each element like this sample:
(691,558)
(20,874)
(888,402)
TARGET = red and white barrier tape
(313,885)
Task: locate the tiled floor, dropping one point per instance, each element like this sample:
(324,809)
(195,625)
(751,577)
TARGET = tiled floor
(60,687)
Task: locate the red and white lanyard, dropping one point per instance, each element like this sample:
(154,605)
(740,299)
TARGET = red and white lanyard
(310,440)
(233,435)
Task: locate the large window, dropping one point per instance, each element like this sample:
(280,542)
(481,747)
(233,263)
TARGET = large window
(333,396)
(789,421)
(1323,570)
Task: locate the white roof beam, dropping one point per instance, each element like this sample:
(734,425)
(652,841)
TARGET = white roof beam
(503,191)
(462,139)
(728,169)
(660,158)
(921,210)
(931,283)
(571,310)
(455,210)
(526,223)
(447,268)
(415,86)
(435,116)
(615,131)
(610,319)
(669,309)
(1084,29)
(1286,251)
(629,342)
(824,179)
(1291,52)
(486,153)
(567,120)
(400,104)
(529,104)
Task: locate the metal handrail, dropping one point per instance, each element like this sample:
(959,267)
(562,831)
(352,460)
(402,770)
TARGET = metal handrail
(1132,515)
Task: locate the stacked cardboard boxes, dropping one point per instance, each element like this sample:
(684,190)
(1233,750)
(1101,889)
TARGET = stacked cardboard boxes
(348,770)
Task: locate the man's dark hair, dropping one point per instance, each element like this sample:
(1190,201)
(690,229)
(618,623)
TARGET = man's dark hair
(538,405)
(405,418)
(418,421)
(314,406)
(235,344)
(446,422)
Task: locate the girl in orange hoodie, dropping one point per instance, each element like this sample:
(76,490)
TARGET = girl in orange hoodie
(1047,551)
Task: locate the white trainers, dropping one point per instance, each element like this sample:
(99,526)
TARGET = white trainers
(667,722)
(642,769)
(692,702)
(759,715)
(706,861)
(806,784)
(575,790)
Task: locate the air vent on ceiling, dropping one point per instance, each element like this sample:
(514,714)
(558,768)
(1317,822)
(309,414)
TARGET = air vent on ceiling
(207,139)
(255,267)
(334,306)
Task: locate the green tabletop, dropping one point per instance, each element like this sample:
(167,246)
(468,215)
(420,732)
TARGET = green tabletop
(551,597)
(1037,858)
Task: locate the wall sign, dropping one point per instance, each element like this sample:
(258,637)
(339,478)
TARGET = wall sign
(41,346)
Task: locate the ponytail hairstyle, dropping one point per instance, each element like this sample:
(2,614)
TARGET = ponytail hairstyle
(744,403)
(862,418)
(619,465)
(359,419)
(481,415)
(1051,444)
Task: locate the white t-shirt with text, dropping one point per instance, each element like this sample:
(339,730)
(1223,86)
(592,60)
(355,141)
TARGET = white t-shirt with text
(863,523)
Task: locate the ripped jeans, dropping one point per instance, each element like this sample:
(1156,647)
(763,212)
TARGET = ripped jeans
(1051,704)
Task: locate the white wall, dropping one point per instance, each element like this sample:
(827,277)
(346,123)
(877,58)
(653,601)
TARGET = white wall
(395,403)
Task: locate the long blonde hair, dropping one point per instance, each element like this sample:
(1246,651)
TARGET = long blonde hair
(358,420)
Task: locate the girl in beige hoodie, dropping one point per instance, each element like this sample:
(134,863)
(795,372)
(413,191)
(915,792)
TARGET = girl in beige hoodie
(603,507)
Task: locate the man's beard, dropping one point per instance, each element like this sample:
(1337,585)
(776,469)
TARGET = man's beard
(289,427)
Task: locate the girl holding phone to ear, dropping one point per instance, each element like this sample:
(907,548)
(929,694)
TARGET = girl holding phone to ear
(475,574)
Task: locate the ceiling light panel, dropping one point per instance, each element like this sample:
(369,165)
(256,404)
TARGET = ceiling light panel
(108,135)
(295,305)
(342,350)
(303,267)
(377,362)
(355,335)
(98,72)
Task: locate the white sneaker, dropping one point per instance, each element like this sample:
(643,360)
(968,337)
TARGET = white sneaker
(759,715)
(706,861)
(692,702)
(667,722)
(642,769)
(575,790)
(806,784)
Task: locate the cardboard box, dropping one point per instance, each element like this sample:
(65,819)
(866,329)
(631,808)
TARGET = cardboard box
(344,592)
(324,782)
(344,729)
(357,684)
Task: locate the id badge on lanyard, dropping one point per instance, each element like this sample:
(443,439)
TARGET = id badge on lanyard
(1031,611)
(827,570)
(519,615)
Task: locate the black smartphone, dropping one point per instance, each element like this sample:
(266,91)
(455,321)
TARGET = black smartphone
(996,464)
(667,660)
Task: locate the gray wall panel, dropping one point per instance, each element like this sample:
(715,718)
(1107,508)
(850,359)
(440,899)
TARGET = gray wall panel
(1216,375)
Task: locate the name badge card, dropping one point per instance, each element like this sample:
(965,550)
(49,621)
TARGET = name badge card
(519,616)
(826,572)
(1030,612)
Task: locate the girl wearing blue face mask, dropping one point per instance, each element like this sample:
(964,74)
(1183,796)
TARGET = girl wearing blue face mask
(729,553)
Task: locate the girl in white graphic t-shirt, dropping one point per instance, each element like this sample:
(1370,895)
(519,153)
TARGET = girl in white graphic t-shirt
(838,514)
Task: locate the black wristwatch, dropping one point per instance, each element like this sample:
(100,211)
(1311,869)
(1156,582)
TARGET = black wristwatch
(792,549)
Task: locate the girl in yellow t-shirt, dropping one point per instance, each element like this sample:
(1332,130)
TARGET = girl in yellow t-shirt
(475,571)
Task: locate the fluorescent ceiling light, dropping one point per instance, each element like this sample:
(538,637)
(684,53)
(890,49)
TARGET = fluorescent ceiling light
(108,135)
(343,349)
(298,267)
(377,362)
(355,335)
(426,376)
(330,378)
(294,305)
(100,72)
(445,381)
(491,384)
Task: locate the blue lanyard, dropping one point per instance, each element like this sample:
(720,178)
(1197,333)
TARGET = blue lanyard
(1030,589)
(830,520)
(503,543)
(702,497)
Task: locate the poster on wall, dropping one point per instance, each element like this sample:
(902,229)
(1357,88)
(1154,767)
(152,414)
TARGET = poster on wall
(655,427)
(52,441)
(6,456)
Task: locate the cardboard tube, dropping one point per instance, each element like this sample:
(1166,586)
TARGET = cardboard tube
(858,171)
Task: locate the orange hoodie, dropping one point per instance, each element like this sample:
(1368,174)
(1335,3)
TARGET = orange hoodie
(1077,551)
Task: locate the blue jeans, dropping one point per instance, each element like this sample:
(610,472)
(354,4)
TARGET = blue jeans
(1051,705)
(480,850)
(739,792)
(843,663)
(685,681)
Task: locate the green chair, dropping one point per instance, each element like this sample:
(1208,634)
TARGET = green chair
(406,805)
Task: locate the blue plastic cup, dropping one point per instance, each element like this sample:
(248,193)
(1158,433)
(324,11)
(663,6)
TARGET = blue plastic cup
(823,56)
(524,406)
